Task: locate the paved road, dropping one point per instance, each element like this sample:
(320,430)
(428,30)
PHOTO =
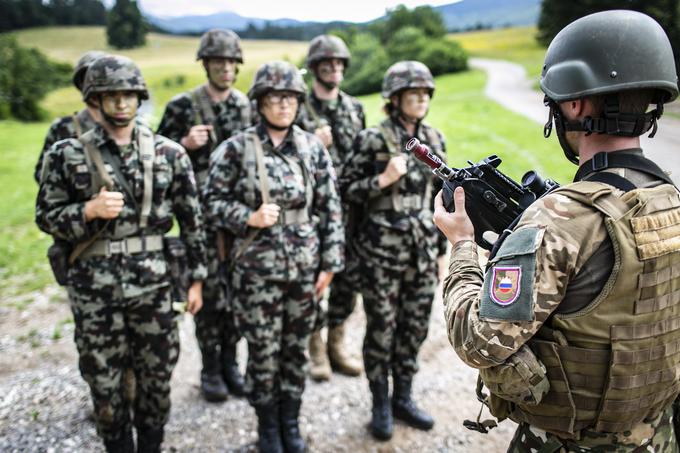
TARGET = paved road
(508,85)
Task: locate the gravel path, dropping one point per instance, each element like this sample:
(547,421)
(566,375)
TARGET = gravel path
(508,85)
(44,404)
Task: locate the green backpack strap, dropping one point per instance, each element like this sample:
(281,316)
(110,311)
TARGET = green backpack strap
(203,111)
(147,152)
(392,144)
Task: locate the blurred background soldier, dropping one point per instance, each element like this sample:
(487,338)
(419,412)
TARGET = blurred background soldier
(112,195)
(336,118)
(273,189)
(200,120)
(396,242)
(72,126)
(575,326)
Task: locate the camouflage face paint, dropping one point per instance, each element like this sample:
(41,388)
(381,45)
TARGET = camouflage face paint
(119,107)
(221,72)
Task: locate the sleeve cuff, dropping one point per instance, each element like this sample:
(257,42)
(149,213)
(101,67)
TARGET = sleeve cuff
(464,251)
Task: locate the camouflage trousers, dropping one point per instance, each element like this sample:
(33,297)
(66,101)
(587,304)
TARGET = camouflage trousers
(342,299)
(111,332)
(656,435)
(215,324)
(397,306)
(276,318)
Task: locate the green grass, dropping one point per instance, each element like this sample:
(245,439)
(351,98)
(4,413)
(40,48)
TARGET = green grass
(473,125)
(514,44)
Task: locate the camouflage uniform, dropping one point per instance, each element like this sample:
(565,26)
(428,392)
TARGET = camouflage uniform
(397,249)
(346,118)
(121,301)
(216,331)
(65,127)
(273,280)
(214,323)
(573,324)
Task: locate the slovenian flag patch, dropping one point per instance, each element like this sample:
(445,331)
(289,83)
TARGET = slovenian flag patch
(504,289)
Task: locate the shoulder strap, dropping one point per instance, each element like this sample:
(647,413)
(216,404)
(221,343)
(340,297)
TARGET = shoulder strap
(302,142)
(312,112)
(76,125)
(612,179)
(147,152)
(596,194)
(393,150)
(349,106)
(432,135)
(621,159)
(93,155)
(203,111)
(253,144)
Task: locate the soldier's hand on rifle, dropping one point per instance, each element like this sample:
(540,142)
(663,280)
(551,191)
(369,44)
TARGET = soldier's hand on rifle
(106,205)
(456,226)
(197,137)
(265,216)
(396,168)
(195,297)
(322,281)
(325,134)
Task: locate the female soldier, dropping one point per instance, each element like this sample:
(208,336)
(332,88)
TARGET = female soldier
(397,242)
(273,189)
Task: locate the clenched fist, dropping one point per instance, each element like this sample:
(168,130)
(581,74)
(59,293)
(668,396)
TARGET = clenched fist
(197,137)
(106,205)
(265,216)
(325,134)
(396,168)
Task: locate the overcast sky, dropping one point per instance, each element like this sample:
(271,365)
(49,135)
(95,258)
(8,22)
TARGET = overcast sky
(324,11)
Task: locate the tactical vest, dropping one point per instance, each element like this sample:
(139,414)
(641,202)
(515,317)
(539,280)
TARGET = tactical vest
(396,201)
(616,362)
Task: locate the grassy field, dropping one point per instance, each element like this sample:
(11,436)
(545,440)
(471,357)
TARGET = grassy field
(515,44)
(473,125)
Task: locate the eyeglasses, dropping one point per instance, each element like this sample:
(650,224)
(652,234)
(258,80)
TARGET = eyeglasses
(277,97)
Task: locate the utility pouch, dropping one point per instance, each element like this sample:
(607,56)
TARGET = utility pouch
(178,267)
(58,254)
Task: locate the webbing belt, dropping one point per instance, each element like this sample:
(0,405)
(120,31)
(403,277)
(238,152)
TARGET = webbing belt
(408,203)
(127,246)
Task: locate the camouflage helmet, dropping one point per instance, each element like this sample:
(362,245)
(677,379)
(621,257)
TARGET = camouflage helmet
(276,76)
(325,47)
(220,43)
(406,74)
(608,52)
(114,73)
(81,67)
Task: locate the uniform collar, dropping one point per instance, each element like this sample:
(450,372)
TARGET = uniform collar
(102,138)
(261,130)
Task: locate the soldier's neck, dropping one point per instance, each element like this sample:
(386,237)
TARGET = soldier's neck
(323,93)
(410,126)
(592,144)
(120,135)
(215,94)
(94,113)
(277,136)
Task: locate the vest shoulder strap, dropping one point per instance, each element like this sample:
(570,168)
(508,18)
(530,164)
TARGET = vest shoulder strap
(147,152)
(203,111)
(599,195)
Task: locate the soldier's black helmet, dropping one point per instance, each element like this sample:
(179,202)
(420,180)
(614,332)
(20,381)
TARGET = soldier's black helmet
(605,54)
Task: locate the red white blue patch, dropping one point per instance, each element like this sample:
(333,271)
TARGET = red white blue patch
(505,286)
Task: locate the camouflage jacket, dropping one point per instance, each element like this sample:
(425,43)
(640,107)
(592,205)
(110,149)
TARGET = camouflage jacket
(388,238)
(345,117)
(182,113)
(572,232)
(60,129)
(281,252)
(67,185)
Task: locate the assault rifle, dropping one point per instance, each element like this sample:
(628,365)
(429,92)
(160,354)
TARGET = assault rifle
(493,201)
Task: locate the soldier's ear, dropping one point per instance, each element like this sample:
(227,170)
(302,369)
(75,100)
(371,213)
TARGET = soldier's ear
(395,100)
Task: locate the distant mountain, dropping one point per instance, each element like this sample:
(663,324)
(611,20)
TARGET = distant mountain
(199,24)
(489,13)
(457,16)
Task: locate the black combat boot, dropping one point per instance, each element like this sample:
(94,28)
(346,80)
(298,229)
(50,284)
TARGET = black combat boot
(124,444)
(149,440)
(268,428)
(405,409)
(230,373)
(212,385)
(381,415)
(290,428)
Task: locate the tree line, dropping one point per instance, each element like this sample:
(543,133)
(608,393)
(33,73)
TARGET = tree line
(18,14)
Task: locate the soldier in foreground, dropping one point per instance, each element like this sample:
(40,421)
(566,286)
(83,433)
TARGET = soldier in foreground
(200,120)
(574,325)
(72,126)
(272,188)
(112,195)
(336,118)
(397,243)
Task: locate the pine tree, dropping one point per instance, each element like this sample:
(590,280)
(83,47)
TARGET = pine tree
(125,26)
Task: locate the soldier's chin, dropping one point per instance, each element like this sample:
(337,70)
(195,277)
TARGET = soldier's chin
(118,122)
